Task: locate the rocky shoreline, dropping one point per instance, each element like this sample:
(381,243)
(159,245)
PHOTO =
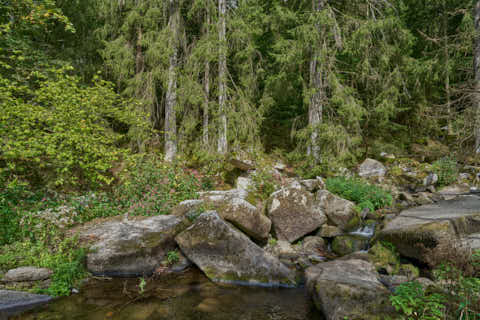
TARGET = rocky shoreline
(303,234)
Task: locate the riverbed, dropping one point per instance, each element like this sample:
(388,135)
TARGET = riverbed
(188,295)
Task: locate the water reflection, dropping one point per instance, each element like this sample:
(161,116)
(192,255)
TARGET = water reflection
(182,296)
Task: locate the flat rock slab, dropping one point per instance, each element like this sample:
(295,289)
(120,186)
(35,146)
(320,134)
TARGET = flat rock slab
(14,302)
(130,248)
(423,230)
(226,255)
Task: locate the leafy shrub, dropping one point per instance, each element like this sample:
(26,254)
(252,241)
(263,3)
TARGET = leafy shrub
(15,199)
(152,187)
(62,256)
(456,295)
(360,192)
(173,257)
(411,300)
(447,170)
(62,134)
(264,183)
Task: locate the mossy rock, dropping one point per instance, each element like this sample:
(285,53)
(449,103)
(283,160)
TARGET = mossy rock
(384,258)
(346,244)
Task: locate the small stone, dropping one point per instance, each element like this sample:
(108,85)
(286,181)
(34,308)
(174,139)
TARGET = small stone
(464,176)
(27,274)
(371,168)
(310,184)
(430,180)
(423,198)
(280,166)
(313,245)
(245,183)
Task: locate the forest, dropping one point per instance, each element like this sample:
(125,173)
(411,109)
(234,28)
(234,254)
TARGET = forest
(326,83)
(114,108)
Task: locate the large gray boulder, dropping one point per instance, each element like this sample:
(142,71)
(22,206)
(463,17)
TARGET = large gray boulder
(340,212)
(225,254)
(239,212)
(426,232)
(294,213)
(130,247)
(348,290)
(27,274)
(371,168)
(246,217)
(13,302)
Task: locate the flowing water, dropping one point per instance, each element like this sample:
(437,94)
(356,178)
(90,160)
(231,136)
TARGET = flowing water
(185,296)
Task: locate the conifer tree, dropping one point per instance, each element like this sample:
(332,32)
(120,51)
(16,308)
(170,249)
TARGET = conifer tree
(222,78)
(477,76)
(171,94)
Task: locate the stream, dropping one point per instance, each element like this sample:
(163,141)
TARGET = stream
(189,295)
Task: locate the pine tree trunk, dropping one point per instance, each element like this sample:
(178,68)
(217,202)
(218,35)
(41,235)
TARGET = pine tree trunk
(171,96)
(316,99)
(222,78)
(477,77)
(447,71)
(206,83)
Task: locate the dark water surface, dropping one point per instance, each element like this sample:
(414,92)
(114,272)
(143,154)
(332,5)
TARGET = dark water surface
(183,296)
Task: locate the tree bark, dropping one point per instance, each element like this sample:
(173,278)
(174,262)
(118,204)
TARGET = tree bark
(447,71)
(171,95)
(477,77)
(206,83)
(316,99)
(222,78)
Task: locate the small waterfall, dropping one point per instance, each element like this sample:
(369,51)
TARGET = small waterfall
(366,231)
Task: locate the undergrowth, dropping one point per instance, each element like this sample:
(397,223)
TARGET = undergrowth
(455,295)
(360,192)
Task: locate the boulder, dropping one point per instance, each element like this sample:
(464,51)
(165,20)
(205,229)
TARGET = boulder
(294,213)
(327,231)
(243,164)
(313,185)
(223,195)
(283,250)
(27,274)
(246,217)
(13,302)
(349,290)
(453,191)
(225,254)
(422,198)
(245,184)
(387,261)
(187,207)
(346,244)
(241,213)
(340,212)
(371,168)
(430,180)
(130,247)
(428,231)
(313,245)
(280,166)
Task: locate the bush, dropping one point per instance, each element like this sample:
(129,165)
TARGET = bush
(15,199)
(61,133)
(411,300)
(447,170)
(61,255)
(360,192)
(151,187)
